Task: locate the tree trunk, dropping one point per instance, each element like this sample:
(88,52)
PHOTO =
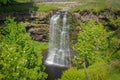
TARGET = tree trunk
(86,72)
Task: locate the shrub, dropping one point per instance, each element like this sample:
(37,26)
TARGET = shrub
(92,43)
(19,59)
(97,71)
(73,74)
(114,39)
(114,69)
(114,23)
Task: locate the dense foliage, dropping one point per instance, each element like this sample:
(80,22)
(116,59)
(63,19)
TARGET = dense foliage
(92,43)
(99,47)
(97,71)
(73,74)
(20,57)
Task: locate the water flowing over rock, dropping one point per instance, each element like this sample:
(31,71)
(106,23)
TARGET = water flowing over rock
(59,50)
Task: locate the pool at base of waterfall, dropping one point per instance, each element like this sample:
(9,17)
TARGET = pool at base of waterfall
(54,71)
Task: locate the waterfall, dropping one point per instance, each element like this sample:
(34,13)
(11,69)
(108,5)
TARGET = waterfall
(59,50)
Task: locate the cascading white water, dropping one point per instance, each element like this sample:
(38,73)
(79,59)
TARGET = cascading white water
(59,50)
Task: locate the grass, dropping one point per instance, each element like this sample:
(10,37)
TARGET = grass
(97,5)
(21,7)
(114,4)
(114,76)
(48,7)
(22,1)
(89,6)
(43,9)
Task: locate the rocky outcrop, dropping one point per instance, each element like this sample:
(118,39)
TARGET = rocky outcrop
(39,33)
(79,17)
(26,16)
(101,16)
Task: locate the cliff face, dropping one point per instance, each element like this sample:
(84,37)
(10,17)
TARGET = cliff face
(41,31)
(38,25)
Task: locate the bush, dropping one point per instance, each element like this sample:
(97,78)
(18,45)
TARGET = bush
(19,59)
(114,69)
(114,39)
(97,71)
(73,74)
(92,43)
(114,23)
